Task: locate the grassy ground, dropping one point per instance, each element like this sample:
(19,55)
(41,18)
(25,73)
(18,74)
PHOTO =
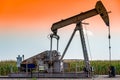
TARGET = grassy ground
(100,67)
(7,66)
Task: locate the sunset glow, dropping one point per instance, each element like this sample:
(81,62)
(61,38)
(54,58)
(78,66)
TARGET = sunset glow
(33,19)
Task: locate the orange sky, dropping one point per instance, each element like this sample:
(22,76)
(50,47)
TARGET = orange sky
(22,15)
(26,17)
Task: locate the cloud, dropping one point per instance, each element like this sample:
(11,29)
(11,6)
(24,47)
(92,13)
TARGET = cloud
(88,32)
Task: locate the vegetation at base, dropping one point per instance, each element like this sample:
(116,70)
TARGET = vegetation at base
(7,66)
(100,67)
(34,78)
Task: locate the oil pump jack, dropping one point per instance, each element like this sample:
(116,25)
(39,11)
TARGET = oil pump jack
(77,19)
(51,60)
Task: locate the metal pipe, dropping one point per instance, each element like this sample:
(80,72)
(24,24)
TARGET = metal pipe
(51,42)
(84,48)
(68,44)
(57,44)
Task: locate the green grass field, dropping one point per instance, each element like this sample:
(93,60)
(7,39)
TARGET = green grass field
(100,67)
(7,66)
